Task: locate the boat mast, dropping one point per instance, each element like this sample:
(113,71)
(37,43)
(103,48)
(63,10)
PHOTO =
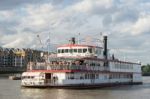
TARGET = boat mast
(78,38)
(48,48)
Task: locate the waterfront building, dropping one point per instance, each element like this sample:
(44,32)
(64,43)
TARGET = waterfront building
(11,58)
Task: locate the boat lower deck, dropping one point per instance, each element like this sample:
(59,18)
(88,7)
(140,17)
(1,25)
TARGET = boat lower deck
(76,79)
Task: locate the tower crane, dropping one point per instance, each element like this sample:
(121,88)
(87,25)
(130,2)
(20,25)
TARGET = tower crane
(42,46)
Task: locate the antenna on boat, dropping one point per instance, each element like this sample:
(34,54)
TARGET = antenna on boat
(78,38)
(101,39)
(124,58)
(48,42)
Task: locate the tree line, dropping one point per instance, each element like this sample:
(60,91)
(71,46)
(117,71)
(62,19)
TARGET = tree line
(146,70)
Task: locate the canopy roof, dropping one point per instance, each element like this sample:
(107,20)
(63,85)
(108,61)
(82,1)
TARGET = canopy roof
(31,74)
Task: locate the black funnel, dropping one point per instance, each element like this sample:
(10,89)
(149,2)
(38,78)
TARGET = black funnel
(105,47)
(73,41)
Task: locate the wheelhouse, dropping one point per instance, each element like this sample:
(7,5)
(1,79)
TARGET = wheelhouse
(79,51)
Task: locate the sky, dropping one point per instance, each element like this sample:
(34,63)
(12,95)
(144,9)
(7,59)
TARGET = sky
(125,22)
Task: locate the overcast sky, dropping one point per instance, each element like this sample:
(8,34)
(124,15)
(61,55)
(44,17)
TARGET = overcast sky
(126,22)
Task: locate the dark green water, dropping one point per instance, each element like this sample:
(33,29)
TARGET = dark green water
(10,89)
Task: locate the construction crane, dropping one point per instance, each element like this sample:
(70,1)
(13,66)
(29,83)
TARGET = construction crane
(38,36)
(42,46)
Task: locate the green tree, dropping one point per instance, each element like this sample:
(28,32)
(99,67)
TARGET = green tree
(146,69)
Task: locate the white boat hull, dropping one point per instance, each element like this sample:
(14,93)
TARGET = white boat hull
(64,80)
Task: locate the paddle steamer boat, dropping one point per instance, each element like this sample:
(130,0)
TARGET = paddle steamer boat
(82,66)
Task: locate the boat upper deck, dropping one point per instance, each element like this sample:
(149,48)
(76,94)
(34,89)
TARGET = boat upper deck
(58,64)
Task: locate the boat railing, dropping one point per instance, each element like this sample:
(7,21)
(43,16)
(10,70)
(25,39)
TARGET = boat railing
(70,67)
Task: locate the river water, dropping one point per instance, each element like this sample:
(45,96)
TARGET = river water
(10,89)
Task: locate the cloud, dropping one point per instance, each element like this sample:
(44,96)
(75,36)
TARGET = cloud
(9,4)
(126,15)
(94,7)
(141,26)
(18,40)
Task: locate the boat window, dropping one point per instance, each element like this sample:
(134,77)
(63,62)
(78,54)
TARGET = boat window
(62,50)
(96,51)
(98,64)
(90,50)
(32,77)
(66,50)
(84,50)
(75,50)
(86,76)
(99,51)
(79,50)
(70,50)
(59,50)
(81,77)
(23,77)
